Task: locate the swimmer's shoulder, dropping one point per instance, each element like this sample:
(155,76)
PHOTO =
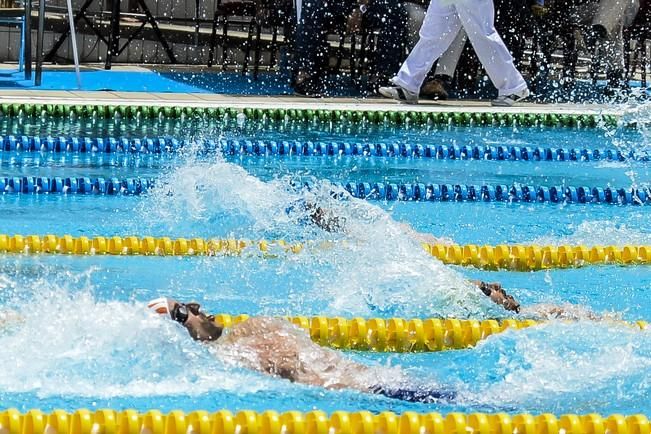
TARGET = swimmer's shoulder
(262,325)
(254,325)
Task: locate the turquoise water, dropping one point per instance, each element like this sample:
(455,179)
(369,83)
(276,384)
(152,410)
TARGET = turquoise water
(85,338)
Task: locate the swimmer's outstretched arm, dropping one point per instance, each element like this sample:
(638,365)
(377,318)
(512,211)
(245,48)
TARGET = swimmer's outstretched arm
(423,237)
(541,311)
(492,290)
(565,311)
(498,295)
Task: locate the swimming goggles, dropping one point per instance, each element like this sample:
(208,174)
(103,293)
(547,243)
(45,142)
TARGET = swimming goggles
(180,313)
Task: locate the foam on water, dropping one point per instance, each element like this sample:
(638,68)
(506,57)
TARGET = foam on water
(375,265)
(602,232)
(633,112)
(120,350)
(59,340)
(582,367)
(640,114)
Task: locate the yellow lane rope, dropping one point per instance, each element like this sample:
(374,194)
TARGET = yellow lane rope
(401,335)
(108,421)
(511,257)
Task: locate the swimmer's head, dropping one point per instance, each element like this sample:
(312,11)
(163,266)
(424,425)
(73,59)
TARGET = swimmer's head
(325,218)
(200,326)
(308,212)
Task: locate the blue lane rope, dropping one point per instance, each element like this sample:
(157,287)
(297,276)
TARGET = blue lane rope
(363,190)
(304,149)
(42,159)
(498,193)
(72,185)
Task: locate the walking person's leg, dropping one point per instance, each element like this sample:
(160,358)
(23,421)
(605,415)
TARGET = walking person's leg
(478,19)
(436,83)
(449,60)
(439,29)
(438,87)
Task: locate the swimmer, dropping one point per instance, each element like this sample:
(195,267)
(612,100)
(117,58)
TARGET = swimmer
(542,311)
(276,347)
(308,212)
(327,220)
(324,218)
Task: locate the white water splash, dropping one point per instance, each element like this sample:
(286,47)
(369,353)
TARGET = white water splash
(601,232)
(64,342)
(373,266)
(583,366)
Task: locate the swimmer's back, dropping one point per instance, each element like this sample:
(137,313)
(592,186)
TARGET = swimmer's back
(278,347)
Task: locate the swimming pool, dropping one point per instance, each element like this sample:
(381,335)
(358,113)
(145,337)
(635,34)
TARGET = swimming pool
(86,339)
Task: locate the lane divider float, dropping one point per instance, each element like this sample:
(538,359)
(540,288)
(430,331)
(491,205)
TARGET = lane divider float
(419,192)
(425,192)
(397,334)
(73,185)
(109,421)
(439,152)
(538,257)
(399,117)
(144,246)
(503,256)
(157,145)
(402,335)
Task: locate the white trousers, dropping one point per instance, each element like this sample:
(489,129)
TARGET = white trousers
(441,25)
(448,61)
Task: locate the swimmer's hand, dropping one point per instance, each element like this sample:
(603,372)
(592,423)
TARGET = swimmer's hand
(498,295)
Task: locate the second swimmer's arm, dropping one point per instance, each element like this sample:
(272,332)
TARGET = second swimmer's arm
(422,237)
(8,318)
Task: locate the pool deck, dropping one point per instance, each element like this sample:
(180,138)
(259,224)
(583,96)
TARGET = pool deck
(286,102)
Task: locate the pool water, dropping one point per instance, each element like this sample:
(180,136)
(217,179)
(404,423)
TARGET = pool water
(85,338)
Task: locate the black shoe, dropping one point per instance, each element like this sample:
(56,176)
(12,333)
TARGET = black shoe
(438,88)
